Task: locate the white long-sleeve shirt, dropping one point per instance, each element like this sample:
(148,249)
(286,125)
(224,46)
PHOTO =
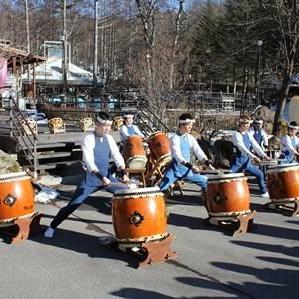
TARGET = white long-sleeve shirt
(175,144)
(237,140)
(287,143)
(126,132)
(97,151)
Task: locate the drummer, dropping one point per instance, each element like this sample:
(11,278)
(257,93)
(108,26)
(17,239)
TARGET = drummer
(97,148)
(290,144)
(128,129)
(259,134)
(243,143)
(183,144)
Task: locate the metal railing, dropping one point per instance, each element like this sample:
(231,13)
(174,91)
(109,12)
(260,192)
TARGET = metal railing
(28,146)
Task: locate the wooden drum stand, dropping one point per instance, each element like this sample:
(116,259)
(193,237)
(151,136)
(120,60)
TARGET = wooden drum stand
(228,203)
(283,186)
(140,221)
(18,218)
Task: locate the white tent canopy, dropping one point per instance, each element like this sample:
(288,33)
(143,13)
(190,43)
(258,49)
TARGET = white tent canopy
(50,72)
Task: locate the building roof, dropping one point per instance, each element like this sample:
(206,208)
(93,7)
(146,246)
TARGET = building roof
(50,73)
(22,56)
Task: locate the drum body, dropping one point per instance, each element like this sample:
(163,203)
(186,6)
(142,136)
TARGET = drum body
(16,197)
(159,146)
(283,182)
(134,153)
(228,195)
(139,215)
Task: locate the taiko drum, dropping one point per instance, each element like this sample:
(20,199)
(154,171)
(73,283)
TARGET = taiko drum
(228,194)
(159,146)
(283,182)
(134,153)
(16,197)
(139,215)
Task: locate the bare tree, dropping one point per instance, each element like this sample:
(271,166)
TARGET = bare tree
(284,17)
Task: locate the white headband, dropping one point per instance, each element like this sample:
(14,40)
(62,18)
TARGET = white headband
(259,122)
(128,115)
(293,127)
(104,121)
(241,121)
(187,121)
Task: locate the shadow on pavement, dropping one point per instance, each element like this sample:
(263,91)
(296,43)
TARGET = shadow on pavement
(134,293)
(84,244)
(199,223)
(213,285)
(189,200)
(289,251)
(277,232)
(278,282)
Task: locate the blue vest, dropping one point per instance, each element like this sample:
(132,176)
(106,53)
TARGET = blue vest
(241,157)
(258,136)
(287,155)
(185,151)
(101,157)
(131,131)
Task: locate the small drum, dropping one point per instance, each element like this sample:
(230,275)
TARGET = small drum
(283,182)
(134,153)
(16,197)
(159,146)
(139,215)
(228,195)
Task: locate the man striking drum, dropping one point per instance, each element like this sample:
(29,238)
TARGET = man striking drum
(290,144)
(243,143)
(97,148)
(128,129)
(259,133)
(183,144)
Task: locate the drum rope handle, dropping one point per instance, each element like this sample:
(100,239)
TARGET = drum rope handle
(151,238)
(227,214)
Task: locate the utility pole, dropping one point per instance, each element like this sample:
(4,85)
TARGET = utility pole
(27,26)
(95,63)
(65,54)
(258,97)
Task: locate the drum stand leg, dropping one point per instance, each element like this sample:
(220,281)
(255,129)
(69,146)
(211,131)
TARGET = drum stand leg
(284,207)
(148,253)
(238,224)
(22,228)
(157,251)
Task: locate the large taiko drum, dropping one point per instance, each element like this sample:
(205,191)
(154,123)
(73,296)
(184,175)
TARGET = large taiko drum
(228,195)
(283,182)
(134,153)
(16,197)
(159,146)
(139,215)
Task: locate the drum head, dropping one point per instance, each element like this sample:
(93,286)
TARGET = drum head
(283,167)
(268,163)
(229,176)
(136,162)
(165,160)
(155,134)
(137,191)
(14,176)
